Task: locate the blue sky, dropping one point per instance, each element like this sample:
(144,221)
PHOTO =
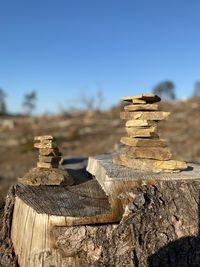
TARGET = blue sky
(62,48)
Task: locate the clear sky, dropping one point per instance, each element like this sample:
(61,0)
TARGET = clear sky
(61,48)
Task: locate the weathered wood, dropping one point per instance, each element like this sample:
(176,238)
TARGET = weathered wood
(84,200)
(31,237)
(38,209)
(159,222)
(164,223)
(116,179)
(32,234)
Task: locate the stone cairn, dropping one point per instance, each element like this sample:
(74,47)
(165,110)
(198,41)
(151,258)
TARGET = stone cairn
(47,171)
(143,150)
(49,154)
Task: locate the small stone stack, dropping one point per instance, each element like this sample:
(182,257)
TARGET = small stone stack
(49,155)
(143,149)
(47,171)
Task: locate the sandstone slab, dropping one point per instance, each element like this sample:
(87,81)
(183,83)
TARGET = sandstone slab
(138,101)
(141,107)
(148,98)
(169,165)
(46,165)
(140,123)
(49,152)
(49,159)
(45,145)
(159,153)
(40,176)
(108,174)
(149,164)
(139,142)
(142,132)
(43,137)
(144,115)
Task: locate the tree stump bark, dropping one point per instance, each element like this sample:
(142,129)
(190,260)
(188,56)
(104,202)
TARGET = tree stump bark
(159,225)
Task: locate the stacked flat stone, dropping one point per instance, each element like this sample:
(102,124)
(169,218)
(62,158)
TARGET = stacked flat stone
(143,149)
(49,155)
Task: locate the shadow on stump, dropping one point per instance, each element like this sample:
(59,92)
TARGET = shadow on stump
(184,252)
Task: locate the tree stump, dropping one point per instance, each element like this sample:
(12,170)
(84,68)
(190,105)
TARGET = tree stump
(118,218)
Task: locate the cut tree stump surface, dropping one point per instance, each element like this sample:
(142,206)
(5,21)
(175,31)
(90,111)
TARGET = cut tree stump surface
(103,168)
(86,199)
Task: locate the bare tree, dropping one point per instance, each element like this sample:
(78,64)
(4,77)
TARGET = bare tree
(3,108)
(88,102)
(99,99)
(29,102)
(166,90)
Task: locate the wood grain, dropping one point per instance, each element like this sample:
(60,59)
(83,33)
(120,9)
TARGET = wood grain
(84,200)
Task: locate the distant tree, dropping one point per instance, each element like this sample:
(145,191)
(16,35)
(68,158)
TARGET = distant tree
(166,90)
(93,102)
(99,99)
(3,109)
(29,102)
(196,92)
(87,102)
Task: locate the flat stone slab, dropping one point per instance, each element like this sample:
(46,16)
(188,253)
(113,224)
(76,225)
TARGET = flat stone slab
(46,176)
(144,115)
(104,170)
(141,107)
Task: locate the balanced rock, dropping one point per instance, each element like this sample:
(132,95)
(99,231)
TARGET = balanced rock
(138,101)
(139,142)
(45,145)
(148,98)
(142,132)
(47,171)
(141,107)
(46,176)
(140,123)
(149,164)
(49,159)
(47,165)
(43,137)
(144,115)
(160,153)
(49,152)
(49,155)
(143,150)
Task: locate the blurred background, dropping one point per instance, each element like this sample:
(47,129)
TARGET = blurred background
(65,64)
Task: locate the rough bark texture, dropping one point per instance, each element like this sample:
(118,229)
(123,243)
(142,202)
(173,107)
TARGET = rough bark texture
(164,219)
(96,246)
(7,255)
(165,223)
